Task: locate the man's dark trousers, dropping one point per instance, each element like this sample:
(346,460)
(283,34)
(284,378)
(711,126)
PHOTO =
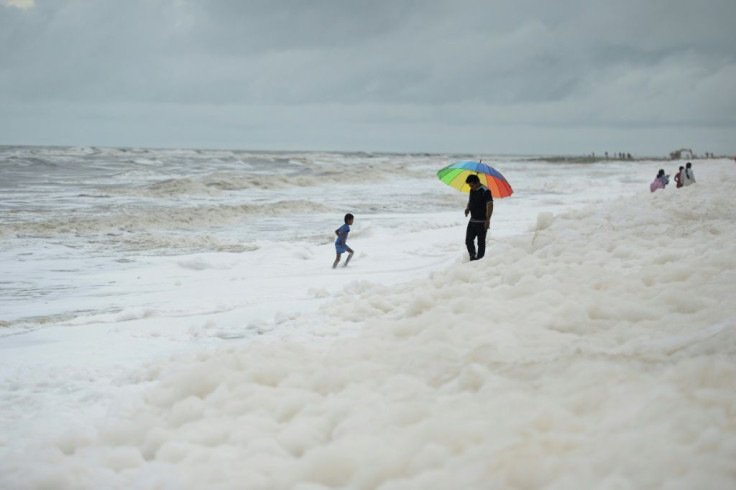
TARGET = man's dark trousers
(476,230)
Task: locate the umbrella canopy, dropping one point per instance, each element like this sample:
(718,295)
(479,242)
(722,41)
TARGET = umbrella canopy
(454,175)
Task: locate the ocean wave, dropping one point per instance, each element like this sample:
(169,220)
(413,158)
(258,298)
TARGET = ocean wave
(22,325)
(288,173)
(175,187)
(134,173)
(82,150)
(29,161)
(176,243)
(115,222)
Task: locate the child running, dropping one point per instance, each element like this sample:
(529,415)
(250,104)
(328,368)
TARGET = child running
(342,237)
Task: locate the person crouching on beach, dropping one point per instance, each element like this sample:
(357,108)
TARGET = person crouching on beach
(660,181)
(341,245)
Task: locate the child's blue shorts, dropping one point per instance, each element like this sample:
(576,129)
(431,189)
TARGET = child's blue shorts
(340,249)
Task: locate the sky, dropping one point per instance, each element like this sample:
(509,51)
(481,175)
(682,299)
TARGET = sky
(435,76)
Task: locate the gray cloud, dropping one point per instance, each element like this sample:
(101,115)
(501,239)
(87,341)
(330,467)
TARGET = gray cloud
(21,4)
(376,68)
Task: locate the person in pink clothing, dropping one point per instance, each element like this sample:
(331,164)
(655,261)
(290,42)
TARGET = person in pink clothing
(660,181)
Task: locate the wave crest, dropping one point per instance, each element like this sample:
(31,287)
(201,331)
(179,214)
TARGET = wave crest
(156,219)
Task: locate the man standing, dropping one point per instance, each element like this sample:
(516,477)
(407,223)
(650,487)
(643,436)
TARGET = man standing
(480,207)
(678,177)
(687,176)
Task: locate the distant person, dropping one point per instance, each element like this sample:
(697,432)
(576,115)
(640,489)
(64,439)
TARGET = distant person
(678,177)
(660,181)
(480,207)
(688,176)
(341,245)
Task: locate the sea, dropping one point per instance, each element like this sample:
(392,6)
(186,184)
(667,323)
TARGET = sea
(72,219)
(170,318)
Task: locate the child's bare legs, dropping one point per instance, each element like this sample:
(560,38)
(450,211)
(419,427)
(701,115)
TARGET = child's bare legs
(337,261)
(350,256)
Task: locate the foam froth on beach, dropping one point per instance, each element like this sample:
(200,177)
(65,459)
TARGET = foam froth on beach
(595,351)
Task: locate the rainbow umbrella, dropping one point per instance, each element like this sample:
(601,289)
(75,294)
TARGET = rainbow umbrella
(454,175)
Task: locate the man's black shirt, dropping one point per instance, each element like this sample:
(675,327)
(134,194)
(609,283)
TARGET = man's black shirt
(477,203)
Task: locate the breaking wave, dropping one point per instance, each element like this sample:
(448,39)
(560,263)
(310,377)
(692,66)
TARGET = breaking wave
(156,219)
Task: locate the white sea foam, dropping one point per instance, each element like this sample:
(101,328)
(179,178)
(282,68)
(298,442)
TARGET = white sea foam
(156,218)
(592,348)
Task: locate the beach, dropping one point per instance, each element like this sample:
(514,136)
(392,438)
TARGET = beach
(169,319)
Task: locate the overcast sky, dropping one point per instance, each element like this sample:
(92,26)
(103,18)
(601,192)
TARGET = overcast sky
(471,76)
